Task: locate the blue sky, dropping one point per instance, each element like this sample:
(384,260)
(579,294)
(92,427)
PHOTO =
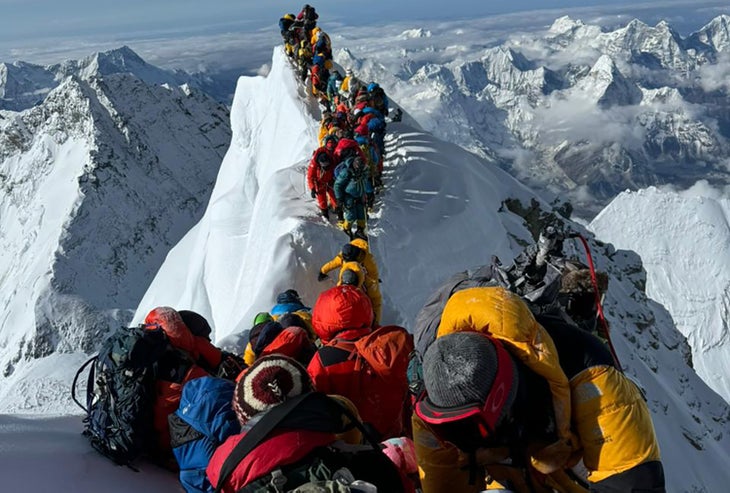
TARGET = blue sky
(23,19)
(42,30)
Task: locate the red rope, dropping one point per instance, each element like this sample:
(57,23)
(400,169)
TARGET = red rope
(599,307)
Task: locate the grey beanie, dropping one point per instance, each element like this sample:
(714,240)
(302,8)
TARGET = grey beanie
(459,369)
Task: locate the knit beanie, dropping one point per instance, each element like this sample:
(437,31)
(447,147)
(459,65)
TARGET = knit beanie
(268,382)
(460,368)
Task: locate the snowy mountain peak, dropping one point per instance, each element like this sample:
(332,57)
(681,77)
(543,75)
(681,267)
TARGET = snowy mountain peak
(684,241)
(565,24)
(119,61)
(716,33)
(608,87)
(415,33)
(503,102)
(23,85)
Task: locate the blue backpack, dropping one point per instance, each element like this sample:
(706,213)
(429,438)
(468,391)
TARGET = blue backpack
(340,168)
(203,421)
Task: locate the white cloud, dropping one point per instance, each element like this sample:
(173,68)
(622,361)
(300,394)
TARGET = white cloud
(574,117)
(701,188)
(716,76)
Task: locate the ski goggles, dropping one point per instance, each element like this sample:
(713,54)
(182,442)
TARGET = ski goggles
(470,426)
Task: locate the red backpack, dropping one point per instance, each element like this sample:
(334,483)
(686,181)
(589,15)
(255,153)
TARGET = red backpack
(385,350)
(381,359)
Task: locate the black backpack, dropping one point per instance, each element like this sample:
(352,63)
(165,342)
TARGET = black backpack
(120,393)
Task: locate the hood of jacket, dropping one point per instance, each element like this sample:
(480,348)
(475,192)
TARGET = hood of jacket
(339,309)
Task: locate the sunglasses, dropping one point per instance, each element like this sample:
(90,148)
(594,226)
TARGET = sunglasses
(470,426)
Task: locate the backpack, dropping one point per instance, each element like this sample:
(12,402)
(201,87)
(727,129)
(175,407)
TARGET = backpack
(203,421)
(381,364)
(367,462)
(120,393)
(385,351)
(540,297)
(334,469)
(342,167)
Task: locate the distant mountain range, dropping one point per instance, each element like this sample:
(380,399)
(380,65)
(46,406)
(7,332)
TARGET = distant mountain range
(24,85)
(577,111)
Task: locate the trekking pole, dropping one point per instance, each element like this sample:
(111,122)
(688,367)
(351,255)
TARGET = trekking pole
(599,306)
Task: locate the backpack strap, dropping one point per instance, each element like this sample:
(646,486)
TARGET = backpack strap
(89,384)
(256,435)
(351,348)
(272,419)
(367,433)
(344,344)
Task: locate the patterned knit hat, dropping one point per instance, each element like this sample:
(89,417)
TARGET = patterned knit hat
(270,381)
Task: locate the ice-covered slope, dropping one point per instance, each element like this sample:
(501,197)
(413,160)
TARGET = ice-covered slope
(684,243)
(98,182)
(443,211)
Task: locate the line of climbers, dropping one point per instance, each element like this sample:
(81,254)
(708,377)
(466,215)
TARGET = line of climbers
(505,383)
(346,169)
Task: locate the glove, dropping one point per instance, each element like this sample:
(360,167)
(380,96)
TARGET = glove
(230,367)
(552,457)
(314,193)
(321,276)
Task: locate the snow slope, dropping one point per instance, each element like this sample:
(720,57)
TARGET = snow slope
(684,243)
(443,211)
(41,453)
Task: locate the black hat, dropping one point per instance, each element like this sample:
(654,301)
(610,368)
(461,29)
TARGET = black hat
(349,278)
(288,296)
(197,324)
(323,159)
(266,336)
